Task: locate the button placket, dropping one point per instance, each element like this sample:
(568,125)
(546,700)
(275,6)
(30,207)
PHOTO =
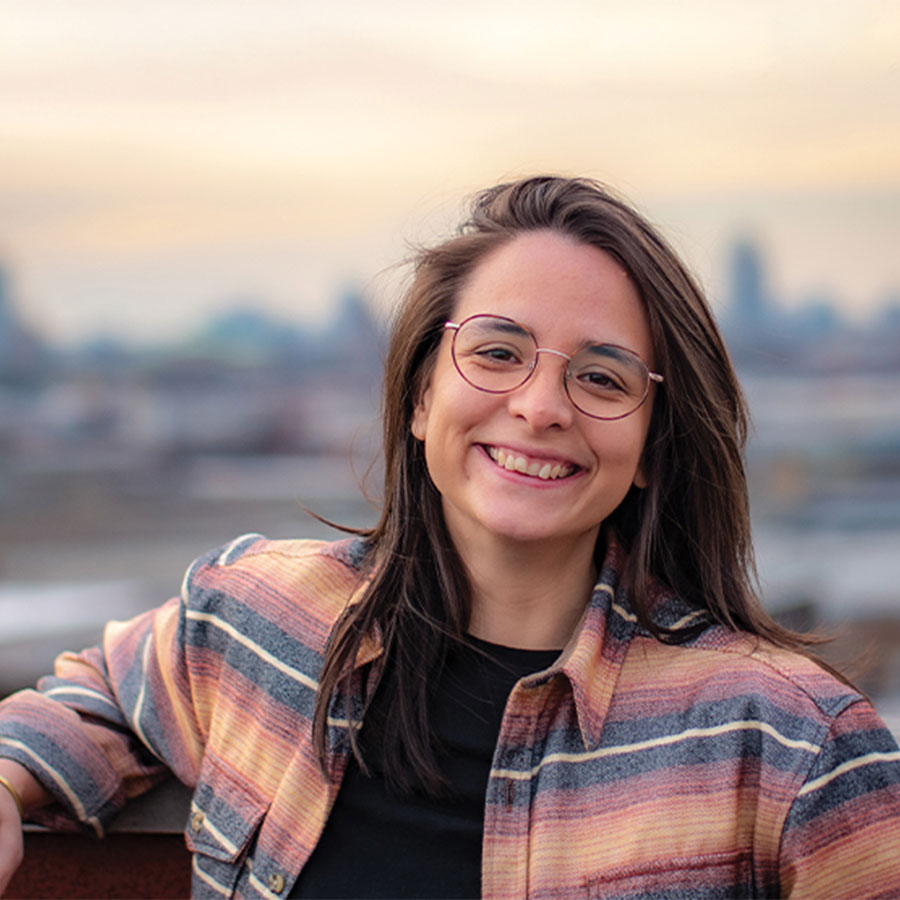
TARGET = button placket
(505,867)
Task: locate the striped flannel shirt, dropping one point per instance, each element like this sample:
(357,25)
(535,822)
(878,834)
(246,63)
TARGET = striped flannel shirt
(721,767)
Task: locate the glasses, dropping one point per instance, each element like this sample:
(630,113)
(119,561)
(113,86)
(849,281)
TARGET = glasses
(497,355)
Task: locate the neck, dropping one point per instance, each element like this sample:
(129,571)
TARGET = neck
(528,595)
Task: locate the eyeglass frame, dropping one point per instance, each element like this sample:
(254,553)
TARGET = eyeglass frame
(455,327)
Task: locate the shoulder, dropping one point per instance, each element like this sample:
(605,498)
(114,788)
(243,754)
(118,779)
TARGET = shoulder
(742,683)
(288,562)
(300,586)
(789,678)
(826,760)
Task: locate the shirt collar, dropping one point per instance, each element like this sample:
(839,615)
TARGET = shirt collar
(595,653)
(594,656)
(352,552)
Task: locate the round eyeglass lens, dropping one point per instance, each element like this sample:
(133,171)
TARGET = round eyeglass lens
(606,381)
(494,354)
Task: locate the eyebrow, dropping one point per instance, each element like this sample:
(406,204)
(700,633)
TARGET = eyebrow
(614,351)
(511,327)
(503,326)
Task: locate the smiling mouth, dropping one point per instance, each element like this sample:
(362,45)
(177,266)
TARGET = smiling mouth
(536,468)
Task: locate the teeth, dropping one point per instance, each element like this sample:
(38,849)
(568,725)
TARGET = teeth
(535,469)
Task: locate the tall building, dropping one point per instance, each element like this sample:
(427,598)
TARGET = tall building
(749,305)
(21,354)
(7,320)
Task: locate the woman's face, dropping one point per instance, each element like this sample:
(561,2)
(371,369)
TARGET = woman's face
(568,294)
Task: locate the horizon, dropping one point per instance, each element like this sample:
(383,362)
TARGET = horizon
(234,303)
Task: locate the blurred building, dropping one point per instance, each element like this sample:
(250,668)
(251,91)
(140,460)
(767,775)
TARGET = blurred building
(767,337)
(22,354)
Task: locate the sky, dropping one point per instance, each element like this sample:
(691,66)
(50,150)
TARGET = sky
(160,160)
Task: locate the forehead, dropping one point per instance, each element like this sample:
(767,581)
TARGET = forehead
(566,292)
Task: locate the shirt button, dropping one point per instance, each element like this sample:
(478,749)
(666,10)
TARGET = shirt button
(276,883)
(197,822)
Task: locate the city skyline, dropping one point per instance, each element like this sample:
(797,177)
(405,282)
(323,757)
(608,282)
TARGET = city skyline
(154,158)
(766,332)
(817,295)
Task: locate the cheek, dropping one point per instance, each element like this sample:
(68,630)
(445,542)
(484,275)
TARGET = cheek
(622,449)
(450,409)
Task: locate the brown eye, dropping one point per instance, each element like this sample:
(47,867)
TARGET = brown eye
(497,355)
(601,381)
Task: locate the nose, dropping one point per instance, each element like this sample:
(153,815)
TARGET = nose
(542,401)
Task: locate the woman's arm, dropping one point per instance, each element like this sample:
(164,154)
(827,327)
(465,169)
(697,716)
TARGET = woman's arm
(82,733)
(114,719)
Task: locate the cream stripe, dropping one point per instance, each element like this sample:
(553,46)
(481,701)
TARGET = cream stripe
(185,582)
(627,616)
(262,888)
(80,692)
(63,785)
(224,557)
(343,723)
(230,846)
(630,617)
(139,705)
(849,766)
(652,743)
(274,661)
(208,879)
(688,618)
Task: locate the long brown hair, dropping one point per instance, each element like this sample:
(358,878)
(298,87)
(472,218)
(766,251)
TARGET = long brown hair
(689,528)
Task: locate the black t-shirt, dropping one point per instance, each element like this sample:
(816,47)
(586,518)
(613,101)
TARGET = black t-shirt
(382,843)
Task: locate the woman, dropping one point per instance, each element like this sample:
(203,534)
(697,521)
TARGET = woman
(543,673)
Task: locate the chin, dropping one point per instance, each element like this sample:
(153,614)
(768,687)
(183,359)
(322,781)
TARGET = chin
(519,530)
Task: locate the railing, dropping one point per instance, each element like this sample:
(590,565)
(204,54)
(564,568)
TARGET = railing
(143,855)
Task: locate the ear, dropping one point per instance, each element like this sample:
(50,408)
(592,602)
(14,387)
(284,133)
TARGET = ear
(419,423)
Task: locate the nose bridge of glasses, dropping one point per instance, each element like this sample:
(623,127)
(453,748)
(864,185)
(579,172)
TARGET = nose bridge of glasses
(537,355)
(558,353)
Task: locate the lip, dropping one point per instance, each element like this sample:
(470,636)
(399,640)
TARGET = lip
(544,467)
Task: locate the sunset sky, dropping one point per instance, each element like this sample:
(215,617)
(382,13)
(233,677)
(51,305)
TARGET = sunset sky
(160,159)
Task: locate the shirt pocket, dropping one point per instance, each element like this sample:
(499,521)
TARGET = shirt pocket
(225,816)
(704,877)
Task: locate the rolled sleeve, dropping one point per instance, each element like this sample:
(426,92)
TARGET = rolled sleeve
(113,720)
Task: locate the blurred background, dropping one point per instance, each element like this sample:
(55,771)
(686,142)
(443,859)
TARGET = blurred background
(203,202)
